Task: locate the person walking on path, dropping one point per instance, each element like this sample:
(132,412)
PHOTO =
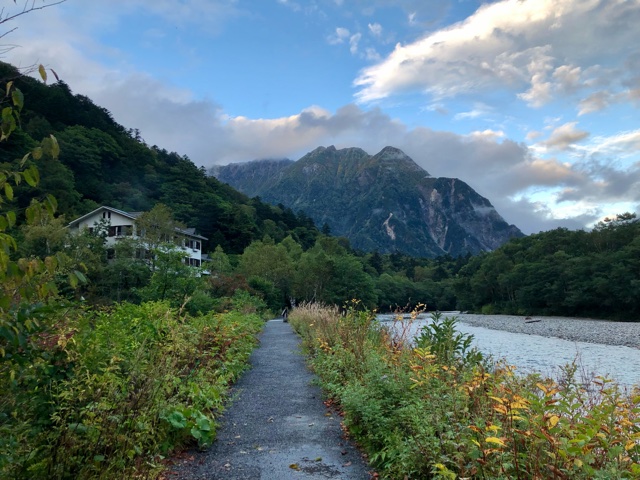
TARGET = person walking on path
(277,426)
(285,315)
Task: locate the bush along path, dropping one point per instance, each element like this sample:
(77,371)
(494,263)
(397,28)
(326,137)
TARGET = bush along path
(431,406)
(277,426)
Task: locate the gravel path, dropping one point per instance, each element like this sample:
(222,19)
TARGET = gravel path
(576,329)
(277,426)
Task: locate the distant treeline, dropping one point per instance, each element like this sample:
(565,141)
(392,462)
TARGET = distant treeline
(560,272)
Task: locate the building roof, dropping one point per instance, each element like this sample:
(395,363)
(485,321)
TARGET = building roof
(190,232)
(97,210)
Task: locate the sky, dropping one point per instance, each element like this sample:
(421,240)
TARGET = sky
(533,103)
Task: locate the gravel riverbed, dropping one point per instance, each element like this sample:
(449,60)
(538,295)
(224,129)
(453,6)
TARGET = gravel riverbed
(575,329)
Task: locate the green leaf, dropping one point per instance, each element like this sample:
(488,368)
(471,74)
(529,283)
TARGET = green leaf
(18,98)
(7,114)
(177,420)
(80,276)
(51,204)
(73,280)
(11,218)
(8,191)
(30,213)
(78,427)
(33,170)
(9,85)
(204,424)
(28,178)
(37,153)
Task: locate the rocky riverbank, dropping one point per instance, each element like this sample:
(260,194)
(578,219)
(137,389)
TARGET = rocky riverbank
(576,329)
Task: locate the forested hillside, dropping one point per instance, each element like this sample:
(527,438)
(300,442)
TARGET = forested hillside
(103,163)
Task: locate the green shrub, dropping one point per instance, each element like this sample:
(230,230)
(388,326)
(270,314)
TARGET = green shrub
(437,409)
(119,390)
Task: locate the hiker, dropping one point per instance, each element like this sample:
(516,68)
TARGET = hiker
(285,314)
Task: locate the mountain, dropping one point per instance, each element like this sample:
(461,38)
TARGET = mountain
(252,176)
(383,202)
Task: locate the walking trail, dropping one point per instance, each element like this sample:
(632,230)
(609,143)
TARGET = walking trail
(277,426)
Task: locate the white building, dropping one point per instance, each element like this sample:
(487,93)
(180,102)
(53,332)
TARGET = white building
(119,225)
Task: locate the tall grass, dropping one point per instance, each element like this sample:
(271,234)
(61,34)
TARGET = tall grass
(435,408)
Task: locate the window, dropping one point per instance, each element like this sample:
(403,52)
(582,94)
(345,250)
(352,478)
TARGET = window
(120,231)
(193,244)
(106,214)
(143,254)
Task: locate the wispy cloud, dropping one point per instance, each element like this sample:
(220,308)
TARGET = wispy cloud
(340,35)
(375,29)
(354,40)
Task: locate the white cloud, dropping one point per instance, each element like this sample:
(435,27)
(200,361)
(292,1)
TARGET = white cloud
(568,78)
(564,136)
(488,134)
(339,36)
(622,145)
(354,40)
(469,114)
(479,110)
(375,29)
(533,135)
(537,49)
(595,102)
(372,54)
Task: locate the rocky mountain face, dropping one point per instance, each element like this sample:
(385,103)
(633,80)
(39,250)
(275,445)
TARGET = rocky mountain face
(383,202)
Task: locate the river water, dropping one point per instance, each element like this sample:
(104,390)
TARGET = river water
(546,355)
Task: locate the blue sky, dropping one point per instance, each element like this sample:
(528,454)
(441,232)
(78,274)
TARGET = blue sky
(534,103)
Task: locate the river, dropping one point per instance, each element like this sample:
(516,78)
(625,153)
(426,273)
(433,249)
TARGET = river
(546,355)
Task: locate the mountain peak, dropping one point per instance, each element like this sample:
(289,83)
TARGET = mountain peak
(389,152)
(395,156)
(383,202)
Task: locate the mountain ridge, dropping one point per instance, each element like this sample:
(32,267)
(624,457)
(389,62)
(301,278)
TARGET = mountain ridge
(384,202)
